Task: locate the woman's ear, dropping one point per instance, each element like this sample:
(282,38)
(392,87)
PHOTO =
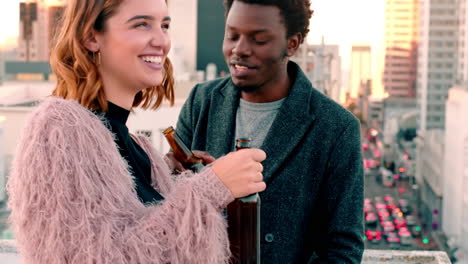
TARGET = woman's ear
(91,42)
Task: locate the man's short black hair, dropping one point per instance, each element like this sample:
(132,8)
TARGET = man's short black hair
(295,13)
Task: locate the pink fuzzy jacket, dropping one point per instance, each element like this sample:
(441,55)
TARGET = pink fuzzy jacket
(73,200)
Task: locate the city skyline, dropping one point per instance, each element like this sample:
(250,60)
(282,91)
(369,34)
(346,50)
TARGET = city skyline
(339,22)
(414,136)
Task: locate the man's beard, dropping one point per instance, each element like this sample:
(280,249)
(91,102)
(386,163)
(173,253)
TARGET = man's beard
(248,88)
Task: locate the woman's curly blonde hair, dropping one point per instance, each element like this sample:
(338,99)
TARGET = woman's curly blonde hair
(77,74)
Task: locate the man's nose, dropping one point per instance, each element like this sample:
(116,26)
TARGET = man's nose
(242,47)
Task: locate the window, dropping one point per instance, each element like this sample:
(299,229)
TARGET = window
(146,133)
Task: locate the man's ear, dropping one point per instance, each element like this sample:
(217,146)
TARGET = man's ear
(293,43)
(91,42)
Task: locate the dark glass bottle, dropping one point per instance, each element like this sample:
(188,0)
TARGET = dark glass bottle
(183,154)
(244,224)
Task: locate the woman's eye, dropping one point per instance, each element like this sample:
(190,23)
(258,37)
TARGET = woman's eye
(166,26)
(144,25)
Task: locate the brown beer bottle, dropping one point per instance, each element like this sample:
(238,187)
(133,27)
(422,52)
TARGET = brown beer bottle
(244,224)
(183,154)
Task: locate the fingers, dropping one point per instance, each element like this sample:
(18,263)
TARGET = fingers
(173,163)
(207,158)
(258,187)
(257,177)
(241,171)
(256,154)
(260,167)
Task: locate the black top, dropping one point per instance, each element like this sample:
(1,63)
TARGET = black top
(139,164)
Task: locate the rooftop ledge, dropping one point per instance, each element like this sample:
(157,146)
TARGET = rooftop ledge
(9,255)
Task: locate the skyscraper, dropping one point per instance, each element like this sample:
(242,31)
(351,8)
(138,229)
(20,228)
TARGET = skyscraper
(322,65)
(455,214)
(401,36)
(437,60)
(462,68)
(38,21)
(455,176)
(28,44)
(360,69)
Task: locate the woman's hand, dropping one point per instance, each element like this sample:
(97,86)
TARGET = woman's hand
(241,171)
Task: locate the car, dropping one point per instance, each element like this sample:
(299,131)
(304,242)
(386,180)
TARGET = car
(389,199)
(410,220)
(371,219)
(380,206)
(365,146)
(374,236)
(368,208)
(387,177)
(393,238)
(404,206)
(391,206)
(384,215)
(405,236)
(388,227)
(399,222)
(396,212)
(367,201)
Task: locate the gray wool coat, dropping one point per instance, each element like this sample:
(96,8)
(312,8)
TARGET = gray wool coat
(312,209)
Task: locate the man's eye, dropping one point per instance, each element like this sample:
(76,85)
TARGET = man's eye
(261,42)
(231,37)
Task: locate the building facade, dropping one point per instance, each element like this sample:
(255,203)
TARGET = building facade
(393,109)
(437,60)
(455,184)
(322,65)
(462,68)
(210,35)
(360,70)
(38,22)
(429,176)
(401,40)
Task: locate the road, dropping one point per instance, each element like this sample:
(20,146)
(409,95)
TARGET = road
(401,189)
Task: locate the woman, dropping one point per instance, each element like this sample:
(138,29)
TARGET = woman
(82,190)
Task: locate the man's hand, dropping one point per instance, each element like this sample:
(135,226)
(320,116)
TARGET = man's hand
(205,156)
(177,167)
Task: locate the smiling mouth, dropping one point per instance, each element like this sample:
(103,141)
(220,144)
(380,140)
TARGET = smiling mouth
(240,67)
(152,59)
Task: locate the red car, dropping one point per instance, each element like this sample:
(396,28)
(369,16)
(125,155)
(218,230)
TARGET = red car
(374,236)
(393,238)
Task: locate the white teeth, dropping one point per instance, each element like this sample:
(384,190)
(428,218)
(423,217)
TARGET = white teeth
(152,59)
(239,67)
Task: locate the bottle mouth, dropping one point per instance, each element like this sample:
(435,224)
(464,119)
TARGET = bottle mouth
(168,130)
(242,143)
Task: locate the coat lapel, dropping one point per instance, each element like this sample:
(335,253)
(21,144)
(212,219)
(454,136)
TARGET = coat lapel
(290,126)
(222,118)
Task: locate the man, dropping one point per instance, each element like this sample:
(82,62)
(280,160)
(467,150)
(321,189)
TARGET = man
(312,209)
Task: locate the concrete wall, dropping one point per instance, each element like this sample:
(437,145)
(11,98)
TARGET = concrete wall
(9,255)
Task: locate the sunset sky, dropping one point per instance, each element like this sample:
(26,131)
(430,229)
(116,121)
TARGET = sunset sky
(341,22)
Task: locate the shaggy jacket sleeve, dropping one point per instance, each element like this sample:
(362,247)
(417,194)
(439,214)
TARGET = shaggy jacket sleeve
(73,200)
